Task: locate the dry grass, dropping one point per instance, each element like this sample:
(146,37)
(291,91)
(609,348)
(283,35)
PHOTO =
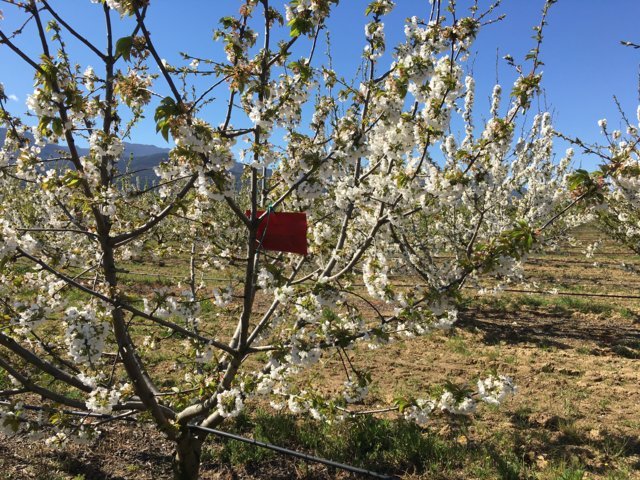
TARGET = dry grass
(576,415)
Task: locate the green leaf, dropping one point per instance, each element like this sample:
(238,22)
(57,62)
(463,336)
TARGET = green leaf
(56,126)
(165,132)
(167,109)
(3,262)
(579,179)
(123,47)
(295,29)
(459,392)
(299,26)
(71,178)
(43,125)
(401,403)
(302,69)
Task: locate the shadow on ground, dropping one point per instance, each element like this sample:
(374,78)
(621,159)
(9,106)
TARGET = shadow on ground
(553,330)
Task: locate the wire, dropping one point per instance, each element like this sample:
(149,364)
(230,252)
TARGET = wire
(293,453)
(79,413)
(566,294)
(264,232)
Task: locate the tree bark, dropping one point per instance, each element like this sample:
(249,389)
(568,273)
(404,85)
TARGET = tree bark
(186,461)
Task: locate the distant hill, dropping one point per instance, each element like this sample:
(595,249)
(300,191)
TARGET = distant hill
(138,157)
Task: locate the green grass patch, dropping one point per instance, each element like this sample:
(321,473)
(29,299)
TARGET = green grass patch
(583,305)
(388,445)
(382,445)
(458,345)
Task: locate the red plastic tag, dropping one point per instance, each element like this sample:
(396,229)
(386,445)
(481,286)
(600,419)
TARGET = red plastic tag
(282,232)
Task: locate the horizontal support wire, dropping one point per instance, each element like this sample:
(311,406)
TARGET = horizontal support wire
(589,263)
(534,261)
(78,413)
(293,453)
(542,260)
(509,290)
(567,294)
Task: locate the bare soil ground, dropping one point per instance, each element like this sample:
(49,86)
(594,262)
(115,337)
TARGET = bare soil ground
(576,361)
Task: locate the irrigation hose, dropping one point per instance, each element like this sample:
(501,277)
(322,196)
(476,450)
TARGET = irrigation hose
(293,453)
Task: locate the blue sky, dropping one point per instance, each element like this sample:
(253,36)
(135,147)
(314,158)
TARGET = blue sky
(585,65)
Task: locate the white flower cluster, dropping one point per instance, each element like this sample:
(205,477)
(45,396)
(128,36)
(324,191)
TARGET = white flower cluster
(420,411)
(57,440)
(284,294)
(354,392)
(308,309)
(223,296)
(446,321)
(167,305)
(620,211)
(299,357)
(85,334)
(302,403)
(206,354)
(82,435)
(265,279)
(374,31)
(375,276)
(495,390)
(134,88)
(271,379)
(230,403)
(385,6)
(46,300)
(102,400)
(591,249)
(322,233)
(8,239)
(198,151)
(313,10)
(42,105)
(47,103)
(89,78)
(448,403)
(496,97)
(117,5)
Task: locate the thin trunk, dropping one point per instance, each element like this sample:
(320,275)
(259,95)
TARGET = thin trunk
(186,461)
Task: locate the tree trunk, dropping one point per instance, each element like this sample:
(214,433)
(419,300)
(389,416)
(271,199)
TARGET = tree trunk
(186,462)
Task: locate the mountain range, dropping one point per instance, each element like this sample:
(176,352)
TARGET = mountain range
(138,157)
